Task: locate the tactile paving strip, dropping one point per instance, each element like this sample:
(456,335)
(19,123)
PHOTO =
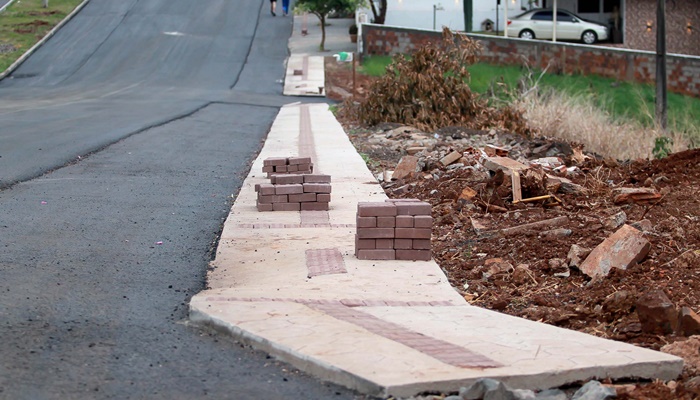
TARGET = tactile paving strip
(306,138)
(439,349)
(315,218)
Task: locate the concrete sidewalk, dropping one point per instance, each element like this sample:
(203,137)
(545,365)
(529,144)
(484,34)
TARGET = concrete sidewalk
(288,283)
(305,75)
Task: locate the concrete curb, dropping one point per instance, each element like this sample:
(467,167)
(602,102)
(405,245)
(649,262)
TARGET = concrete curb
(40,43)
(6,5)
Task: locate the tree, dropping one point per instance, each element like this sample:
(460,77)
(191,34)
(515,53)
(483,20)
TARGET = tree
(321,9)
(378,13)
(46,4)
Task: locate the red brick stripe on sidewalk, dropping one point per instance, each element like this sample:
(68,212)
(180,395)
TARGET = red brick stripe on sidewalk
(301,225)
(315,218)
(439,349)
(306,138)
(324,262)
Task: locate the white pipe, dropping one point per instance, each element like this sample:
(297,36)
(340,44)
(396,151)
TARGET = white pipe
(554,22)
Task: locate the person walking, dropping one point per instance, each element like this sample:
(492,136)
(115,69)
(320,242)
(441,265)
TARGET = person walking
(285,7)
(273,6)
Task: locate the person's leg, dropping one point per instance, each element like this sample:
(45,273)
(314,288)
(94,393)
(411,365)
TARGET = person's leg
(273,5)
(285,7)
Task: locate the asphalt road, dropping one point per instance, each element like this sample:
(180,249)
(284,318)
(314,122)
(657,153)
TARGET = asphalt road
(121,142)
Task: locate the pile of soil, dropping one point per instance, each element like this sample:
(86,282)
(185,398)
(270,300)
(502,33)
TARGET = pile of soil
(531,274)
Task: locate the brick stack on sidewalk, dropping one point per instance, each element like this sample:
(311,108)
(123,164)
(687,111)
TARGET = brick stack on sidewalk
(397,229)
(287,165)
(293,191)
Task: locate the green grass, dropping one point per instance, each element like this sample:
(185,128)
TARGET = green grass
(25,22)
(621,100)
(375,65)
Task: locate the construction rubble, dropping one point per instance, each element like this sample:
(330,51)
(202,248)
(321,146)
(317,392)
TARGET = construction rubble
(542,230)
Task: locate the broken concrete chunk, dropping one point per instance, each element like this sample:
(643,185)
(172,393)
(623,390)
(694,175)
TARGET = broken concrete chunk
(657,313)
(492,151)
(522,274)
(556,233)
(415,150)
(477,226)
(576,255)
(559,267)
(407,166)
(635,195)
(594,390)
(450,158)
(624,248)
(497,265)
(570,188)
(548,162)
(402,130)
(615,221)
(643,225)
(486,388)
(689,322)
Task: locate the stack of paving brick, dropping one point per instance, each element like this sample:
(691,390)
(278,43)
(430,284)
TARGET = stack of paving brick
(294,192)
(397,229)
(287,165)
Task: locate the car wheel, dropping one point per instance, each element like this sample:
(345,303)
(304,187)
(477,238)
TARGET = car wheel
(526,34)
(589,37)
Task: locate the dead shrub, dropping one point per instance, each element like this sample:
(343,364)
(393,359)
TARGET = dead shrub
(430,90)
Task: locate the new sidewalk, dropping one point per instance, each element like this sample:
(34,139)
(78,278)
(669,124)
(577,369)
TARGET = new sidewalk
(288,283)
(305,76)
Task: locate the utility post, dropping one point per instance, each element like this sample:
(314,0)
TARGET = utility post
(661,99)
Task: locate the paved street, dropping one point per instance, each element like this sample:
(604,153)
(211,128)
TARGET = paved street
(121,142)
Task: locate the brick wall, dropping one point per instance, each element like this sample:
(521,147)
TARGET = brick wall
(679,39)
(570,58)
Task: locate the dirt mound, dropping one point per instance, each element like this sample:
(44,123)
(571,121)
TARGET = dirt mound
(521,225)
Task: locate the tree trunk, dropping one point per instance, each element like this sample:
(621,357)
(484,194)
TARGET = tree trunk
(382,11)
(379,15)
(46,4)
(323,32)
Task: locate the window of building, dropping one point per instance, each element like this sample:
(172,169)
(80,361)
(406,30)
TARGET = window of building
(588,6)
(610,5)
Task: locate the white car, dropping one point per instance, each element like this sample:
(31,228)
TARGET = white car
(537,24)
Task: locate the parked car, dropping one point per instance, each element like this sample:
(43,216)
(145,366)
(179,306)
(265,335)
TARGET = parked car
(537,24)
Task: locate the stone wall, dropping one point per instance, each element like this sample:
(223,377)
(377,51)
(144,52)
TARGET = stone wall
(569,58)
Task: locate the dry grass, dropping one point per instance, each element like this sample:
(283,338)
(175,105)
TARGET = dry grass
(579,119)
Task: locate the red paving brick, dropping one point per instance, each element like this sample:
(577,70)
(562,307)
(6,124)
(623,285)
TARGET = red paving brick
(324,262)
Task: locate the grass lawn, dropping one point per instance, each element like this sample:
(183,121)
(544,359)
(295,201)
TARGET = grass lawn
(622,100)
(25,22)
